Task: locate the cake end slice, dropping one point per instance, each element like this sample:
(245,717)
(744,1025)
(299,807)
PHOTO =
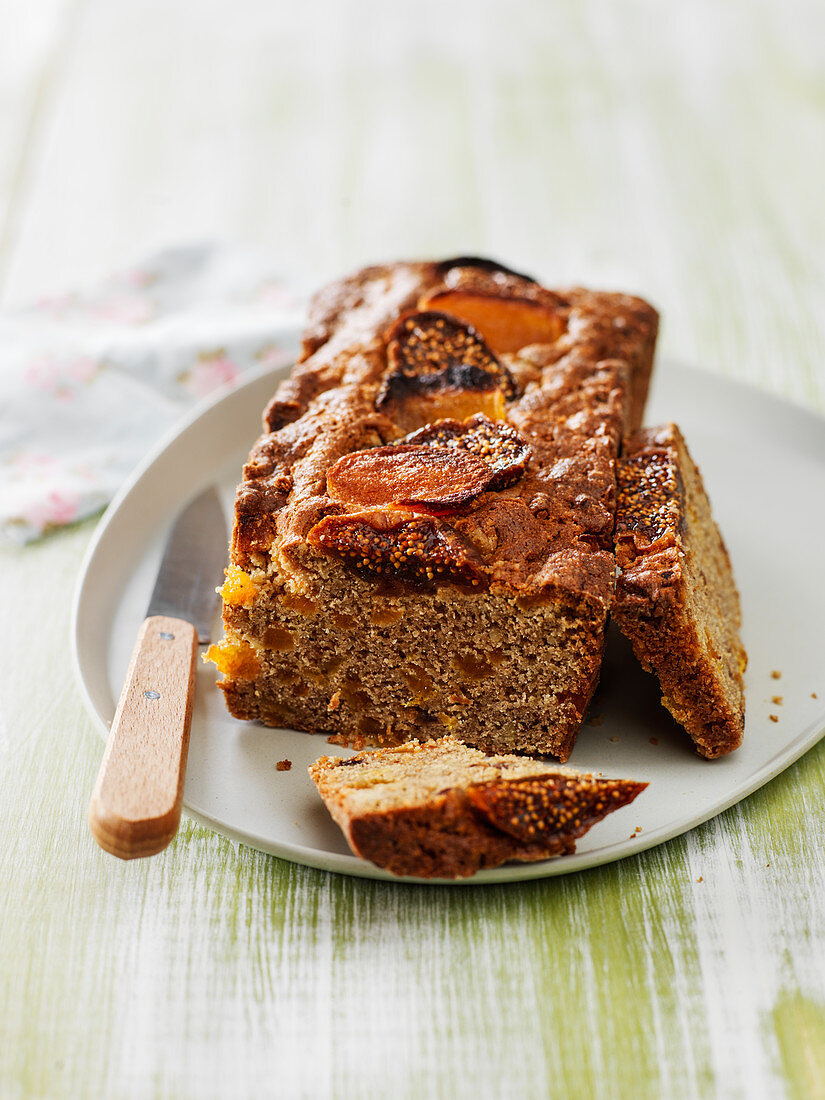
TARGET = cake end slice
(676,599)
(441,809)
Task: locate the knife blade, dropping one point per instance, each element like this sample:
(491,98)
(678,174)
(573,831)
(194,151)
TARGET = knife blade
(136,804)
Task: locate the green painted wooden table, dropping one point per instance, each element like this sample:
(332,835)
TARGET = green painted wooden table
(674,150)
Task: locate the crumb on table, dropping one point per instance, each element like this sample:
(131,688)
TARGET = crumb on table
(777,699)
(776,674)
(773,717)
(284,765)
(654,740)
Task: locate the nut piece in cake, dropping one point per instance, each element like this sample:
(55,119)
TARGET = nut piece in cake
(444,810)
(676,599)
(509,311)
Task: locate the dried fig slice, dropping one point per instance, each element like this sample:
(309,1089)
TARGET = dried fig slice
(541,807)
(508,311)
(499,445)
(429,352)
(408,475)
(391,546)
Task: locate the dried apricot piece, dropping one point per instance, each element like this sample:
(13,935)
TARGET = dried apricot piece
(235,660)
(499,445)
(239,590)
(507,310)
(408,475)
(392,546)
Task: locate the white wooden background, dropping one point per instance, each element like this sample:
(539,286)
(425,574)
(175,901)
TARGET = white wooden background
(675,149)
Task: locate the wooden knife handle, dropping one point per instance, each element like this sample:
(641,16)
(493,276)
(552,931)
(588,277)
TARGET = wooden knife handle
(136,804)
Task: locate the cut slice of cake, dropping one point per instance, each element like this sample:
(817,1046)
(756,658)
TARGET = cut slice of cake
(444,810)
(676,599)
(423,536)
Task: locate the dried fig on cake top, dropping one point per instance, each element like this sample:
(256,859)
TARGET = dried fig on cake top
(437,367)
(392,545)
(499,445)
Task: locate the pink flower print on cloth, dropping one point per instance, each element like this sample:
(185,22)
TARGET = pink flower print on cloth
(49,491)
(90,380)
(211,371)
(61,379)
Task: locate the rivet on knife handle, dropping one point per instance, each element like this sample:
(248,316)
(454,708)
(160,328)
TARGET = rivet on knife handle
(136,804)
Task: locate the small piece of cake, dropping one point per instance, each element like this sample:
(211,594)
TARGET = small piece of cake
(444,810)
(676,599)
(423,537)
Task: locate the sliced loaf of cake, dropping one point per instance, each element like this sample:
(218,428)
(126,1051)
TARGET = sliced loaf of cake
(423,536)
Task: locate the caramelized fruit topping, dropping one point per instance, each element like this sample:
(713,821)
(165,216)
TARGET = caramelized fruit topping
(408,475)
(430,352)
(500,446)
(418,551)
(507,324)
(508,310)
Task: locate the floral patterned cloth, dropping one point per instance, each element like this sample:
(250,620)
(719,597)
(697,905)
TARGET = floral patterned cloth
(88,382)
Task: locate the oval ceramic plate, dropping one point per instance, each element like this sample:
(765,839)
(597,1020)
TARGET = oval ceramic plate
(763,461)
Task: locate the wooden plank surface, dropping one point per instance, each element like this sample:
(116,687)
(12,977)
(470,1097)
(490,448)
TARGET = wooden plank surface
(678,151)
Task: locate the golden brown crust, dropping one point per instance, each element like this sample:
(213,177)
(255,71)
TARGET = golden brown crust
(525,534)
(573,415)
(675,596)
(444,810)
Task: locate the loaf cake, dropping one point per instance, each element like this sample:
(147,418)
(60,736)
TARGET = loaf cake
(676,599)
(423,536)
(443,810)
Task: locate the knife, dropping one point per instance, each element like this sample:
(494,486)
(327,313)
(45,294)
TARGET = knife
(136,804)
